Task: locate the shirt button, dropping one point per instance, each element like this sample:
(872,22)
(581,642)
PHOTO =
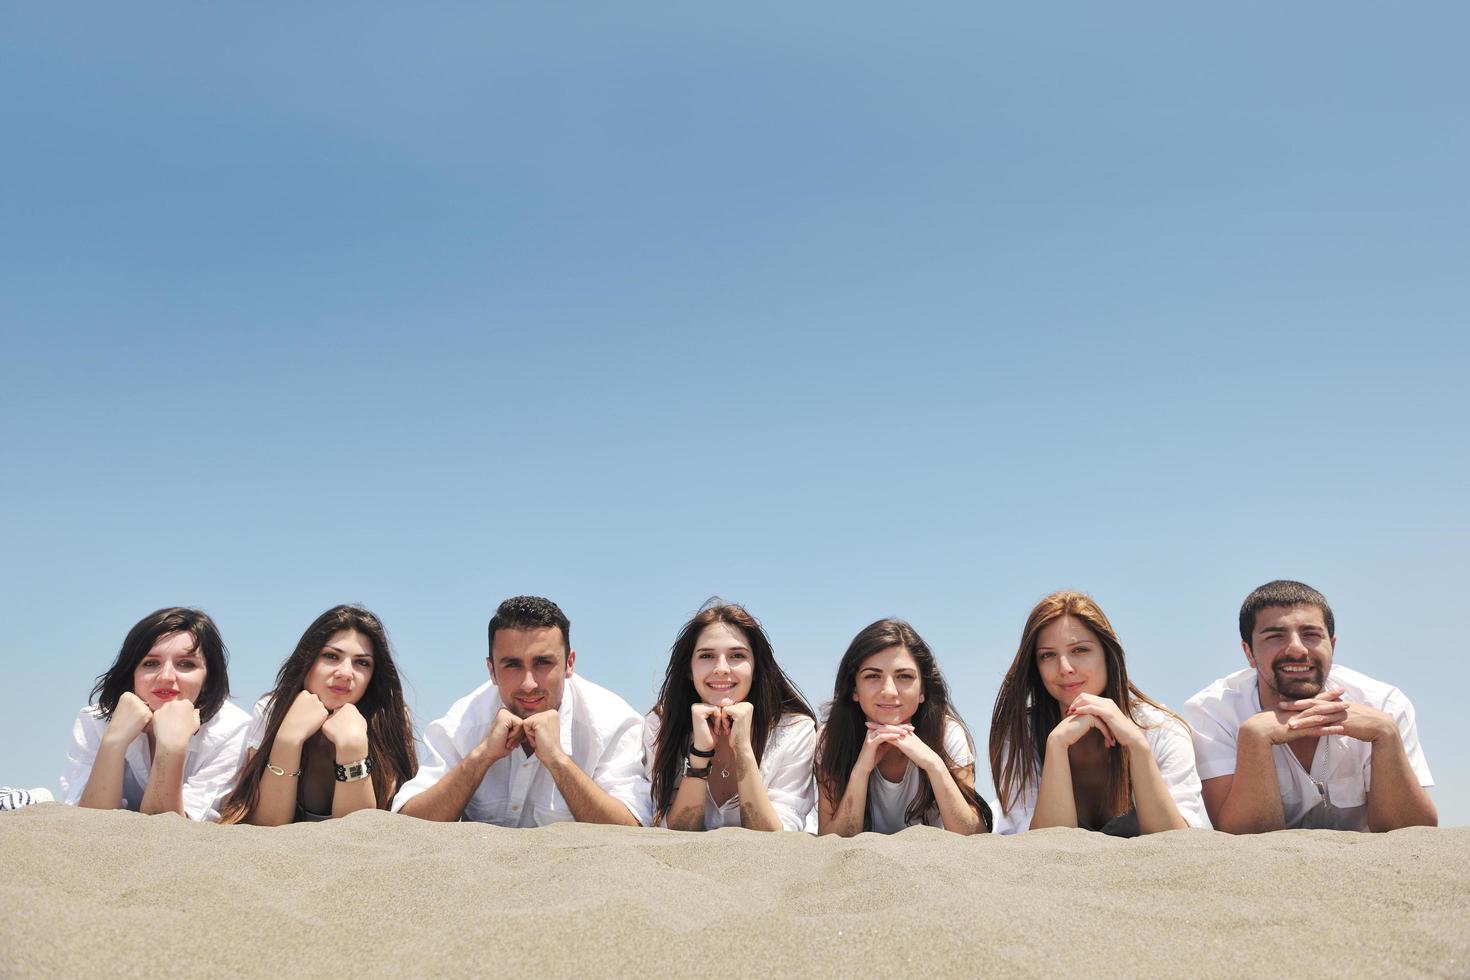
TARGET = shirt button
(515,809)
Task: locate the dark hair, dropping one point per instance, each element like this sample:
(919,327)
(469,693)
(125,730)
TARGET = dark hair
(118,679)
(1282,592)
(390,731)
(1025,713)
(530,612)
(842,736)
(772,695)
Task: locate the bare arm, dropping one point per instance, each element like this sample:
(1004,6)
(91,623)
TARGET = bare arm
(686,812)
(1395,798)
(1151,800)
(954,810)
(104,784)
(445,800)
(845,819)
(756,810)
(587,801)
(165,792)
(1247,801)
(1055,804)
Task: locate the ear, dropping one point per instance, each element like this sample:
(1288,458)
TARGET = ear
(490,665)
(571,659)
(1250,657)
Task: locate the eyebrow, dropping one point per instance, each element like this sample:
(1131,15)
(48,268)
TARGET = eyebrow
(713,649)
(336,649)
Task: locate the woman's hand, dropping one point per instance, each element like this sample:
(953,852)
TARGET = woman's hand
(175,723)
(129,719)
(705,720)
(1071,728)
(347,730)
(736,720)
(303,719)
(877,743)
(1119,727)
(919,753)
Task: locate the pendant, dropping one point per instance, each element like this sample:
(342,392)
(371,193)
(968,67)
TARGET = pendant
(724,774)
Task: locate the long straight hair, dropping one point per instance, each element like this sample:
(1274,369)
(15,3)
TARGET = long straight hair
(1025,713)
(390,731)
(772,695)
(843,735)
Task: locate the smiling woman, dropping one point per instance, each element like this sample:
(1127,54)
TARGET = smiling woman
(730,742)
(334,736)
(1073,743)
(161,736)
(893,752)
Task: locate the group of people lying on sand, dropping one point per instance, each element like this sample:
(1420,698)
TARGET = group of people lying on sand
(1289,741)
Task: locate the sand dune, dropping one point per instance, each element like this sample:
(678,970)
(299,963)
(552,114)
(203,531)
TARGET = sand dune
(113,893)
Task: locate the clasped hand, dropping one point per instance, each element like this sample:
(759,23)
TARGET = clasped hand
(541,731)
(1088,712)
(1325,714)
(711,721)
(882,739)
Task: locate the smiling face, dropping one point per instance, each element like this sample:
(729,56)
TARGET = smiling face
(889,689)
(1071,660)
(531,667)
(722,666)
(1290,651)
(172,670)
(342,671)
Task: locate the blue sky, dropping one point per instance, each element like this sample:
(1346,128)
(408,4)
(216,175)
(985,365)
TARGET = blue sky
(841,312)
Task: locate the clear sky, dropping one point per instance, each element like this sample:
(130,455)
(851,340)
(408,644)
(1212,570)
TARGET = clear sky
(840,311)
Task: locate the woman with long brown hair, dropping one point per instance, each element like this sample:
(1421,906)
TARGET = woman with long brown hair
(334,736)
(730,741)
(893,752)
(1073,743)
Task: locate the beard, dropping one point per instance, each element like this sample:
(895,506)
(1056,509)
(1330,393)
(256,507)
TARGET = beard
(1300,685)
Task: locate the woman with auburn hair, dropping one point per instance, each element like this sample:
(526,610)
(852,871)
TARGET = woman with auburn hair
(334,736)
(1074,744)
(161,735)
(730,741)
(892,752)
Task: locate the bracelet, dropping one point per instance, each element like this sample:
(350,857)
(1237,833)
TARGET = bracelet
(354,771)
(281,772)
(697,773)
(701,753)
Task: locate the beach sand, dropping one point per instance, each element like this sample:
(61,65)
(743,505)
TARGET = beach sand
(114,893)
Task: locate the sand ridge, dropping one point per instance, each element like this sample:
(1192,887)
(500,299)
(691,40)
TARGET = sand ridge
(377,894)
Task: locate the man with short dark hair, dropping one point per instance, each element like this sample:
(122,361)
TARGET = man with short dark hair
(536,744)
(1293,741)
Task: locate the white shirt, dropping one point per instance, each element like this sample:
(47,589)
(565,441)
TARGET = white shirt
(888,803)
(1173,753)
(210,763)
(786,772)
(601,733)
(1334,795)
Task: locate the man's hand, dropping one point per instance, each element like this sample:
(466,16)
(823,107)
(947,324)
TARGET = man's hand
(1306,718)
(506,732)
(543,731)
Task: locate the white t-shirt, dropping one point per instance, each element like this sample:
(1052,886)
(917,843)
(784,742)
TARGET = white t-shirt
(1173,753)
(888,803)
(786,772)
(601,733)
(1334,795)
(210,763)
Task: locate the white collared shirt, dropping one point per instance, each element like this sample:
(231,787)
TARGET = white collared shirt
(601,733)
(1173,753)
(786,773)
(210,763)
(1334,794)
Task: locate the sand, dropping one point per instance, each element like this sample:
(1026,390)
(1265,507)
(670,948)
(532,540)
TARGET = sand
(118,894)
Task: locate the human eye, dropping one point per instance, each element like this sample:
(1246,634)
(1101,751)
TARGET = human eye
(1046,655)
(149,662)
(739,655)
(364,662)
(704,655)
(189,664)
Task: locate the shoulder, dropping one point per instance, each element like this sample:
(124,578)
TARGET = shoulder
(651,725)
(476,707)
(793,728)
(1157,725)
(88,723)
(599,706)
(228,721)
(1223,697)
(1365,690)
(957,741)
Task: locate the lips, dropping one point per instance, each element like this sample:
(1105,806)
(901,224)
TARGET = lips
(165,695)
(341,692)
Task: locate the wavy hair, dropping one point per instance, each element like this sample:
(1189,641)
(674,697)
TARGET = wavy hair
(390,730)
(772,695)
(841,740)
(1025,713)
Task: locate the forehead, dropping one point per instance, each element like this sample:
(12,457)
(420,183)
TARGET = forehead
(515,644)
(350,642)
(1286,617)
(721,636)
(893,658)
(173,645)
(1065,632)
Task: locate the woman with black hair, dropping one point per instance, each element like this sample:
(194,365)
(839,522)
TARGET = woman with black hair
(730,742)
(892,752)
(334,737)
(161,735)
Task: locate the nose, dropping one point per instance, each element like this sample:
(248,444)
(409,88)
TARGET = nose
(890,689)
(1295,643)
(1064,665)
(528,681)
(167,673)
(722,665)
